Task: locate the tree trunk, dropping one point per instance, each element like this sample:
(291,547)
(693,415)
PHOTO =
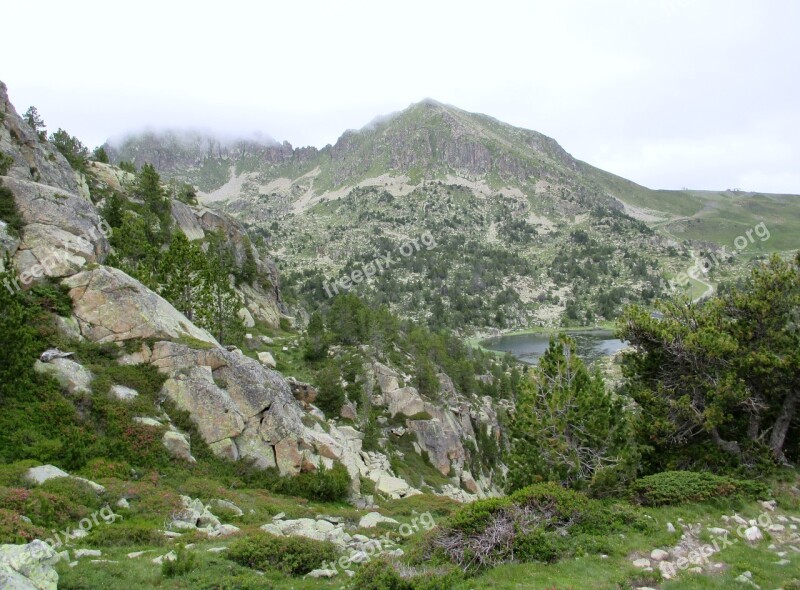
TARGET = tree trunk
(781,426)
(729,446)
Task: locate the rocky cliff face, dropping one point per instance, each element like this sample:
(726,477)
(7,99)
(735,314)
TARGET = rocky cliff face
(243,409)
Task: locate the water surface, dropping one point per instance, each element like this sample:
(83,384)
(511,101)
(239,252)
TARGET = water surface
(592,345)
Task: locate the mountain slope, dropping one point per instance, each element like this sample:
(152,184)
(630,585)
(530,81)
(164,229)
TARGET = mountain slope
(526,233)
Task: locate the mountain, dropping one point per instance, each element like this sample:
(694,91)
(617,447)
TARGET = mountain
(526,234)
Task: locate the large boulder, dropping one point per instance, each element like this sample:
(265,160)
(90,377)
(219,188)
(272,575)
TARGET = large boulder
(62,232)
(242,409)
(110,306)
(43,473)
(28,567)
(405,400)
(187,221)
(73,377)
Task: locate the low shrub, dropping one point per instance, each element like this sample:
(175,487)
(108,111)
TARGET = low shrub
(53,297)
(103,468)
(13,474)
(680,487)
(322,485)
(543,522)
(288,555)
(16,530)
(183,563)
(43,508)
(124,534)
(382,575)
(74,491)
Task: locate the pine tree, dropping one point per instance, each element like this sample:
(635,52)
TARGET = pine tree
(35,120)
(315,346)
(182,274)
(567,427)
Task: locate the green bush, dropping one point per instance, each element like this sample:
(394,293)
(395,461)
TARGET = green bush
(322,485)
(14,530)
(529,525)
(8,211)
(381,575)
(13,474)
(124,534)
(53,297)
(289,555)
(73,490)
(183,564)
(680,487)
(102,468)
(43,508)
(6,162)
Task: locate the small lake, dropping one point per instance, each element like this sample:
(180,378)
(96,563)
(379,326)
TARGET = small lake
(527,348)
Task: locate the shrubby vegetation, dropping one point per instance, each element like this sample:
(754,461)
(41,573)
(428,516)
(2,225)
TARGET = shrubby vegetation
(569,428)
(680,487)
(288,555)
(718,383)
(529,525)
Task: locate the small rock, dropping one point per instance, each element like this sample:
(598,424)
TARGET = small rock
(753,534)
(267,359)
(87,553)
(670,527)
(216,549)
(123,503)
(659,555)
(279,516)
(171,556)
(641,562)
(783,562)
(717,531)
(372,519)
(776,528)
(321,574)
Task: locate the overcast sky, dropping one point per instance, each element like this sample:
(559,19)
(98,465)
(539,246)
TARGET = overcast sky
(669,93)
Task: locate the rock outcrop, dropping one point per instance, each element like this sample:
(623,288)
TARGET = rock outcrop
(28,567)
(111,306)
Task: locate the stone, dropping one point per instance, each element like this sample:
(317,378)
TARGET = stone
(776,528)
(171,556)
(372,520)
(78,553)
(667,569)
(226,505)
(110,306)
(186,221)
(43,473)
(406,401)
(177,444)
(216,549)
(753,534)
(224,530)
(659,555)
(321,573)
(148,421)
(73,377)
(718,532)
(266,359)
(123,503)
(670,527)
(122,393)
(641,563)
(272,529)
(246,317)
(28,567)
